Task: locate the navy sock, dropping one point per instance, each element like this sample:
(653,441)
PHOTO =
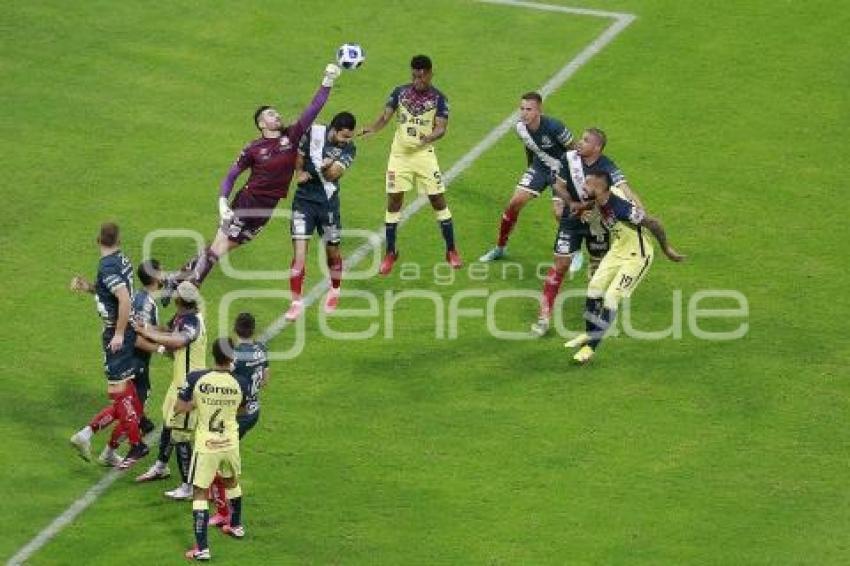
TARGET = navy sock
(447,228)
(592,306)
(236,511)
(391,230)
(606,317)
(200,518)
(165,445)
(184,459)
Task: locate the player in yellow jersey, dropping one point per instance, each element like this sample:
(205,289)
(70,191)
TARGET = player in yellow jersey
(625,264)
(422,118)
(215,396)
(186,339)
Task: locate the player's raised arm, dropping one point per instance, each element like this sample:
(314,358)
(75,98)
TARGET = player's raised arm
(307,117)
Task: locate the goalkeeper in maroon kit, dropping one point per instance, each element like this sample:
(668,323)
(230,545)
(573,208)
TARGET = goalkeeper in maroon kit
(271,159)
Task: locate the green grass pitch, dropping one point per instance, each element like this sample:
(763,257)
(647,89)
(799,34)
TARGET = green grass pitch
(730,118)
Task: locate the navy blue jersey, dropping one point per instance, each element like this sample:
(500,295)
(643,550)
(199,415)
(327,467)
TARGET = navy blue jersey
(547,144)
(113,272)
(314,189)
(602,165)
(248,366)
(144,310)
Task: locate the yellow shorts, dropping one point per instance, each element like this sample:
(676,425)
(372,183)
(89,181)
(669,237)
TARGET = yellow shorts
(172,419)
(419,170)
(205,465)
(616,278)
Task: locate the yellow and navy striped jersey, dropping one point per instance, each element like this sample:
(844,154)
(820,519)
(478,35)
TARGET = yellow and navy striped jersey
(416,114)
(622,218)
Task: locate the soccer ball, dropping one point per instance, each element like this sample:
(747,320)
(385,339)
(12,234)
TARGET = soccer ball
(350,56)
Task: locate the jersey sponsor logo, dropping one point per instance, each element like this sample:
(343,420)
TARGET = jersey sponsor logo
(217,444)
(210,389)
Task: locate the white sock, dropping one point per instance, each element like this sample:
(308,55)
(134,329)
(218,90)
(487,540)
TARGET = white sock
(85,433)
(160,466)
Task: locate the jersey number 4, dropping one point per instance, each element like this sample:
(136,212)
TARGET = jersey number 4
(216,425)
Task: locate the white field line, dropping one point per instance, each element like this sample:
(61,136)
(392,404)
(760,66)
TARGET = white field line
(620,22)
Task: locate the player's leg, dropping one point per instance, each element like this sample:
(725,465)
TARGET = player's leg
(599,282)
(126,410)
(81,440)
(202,470)
(332,236)
(399,180)
(218,495)
(551,287)
(159,469)
(142,382)
(182,425)
(301,227)
(231,469)
(429,180)
(444,219)
(330,231)
(567,241)
(629,273)
(297,273)
(393,216)
(218,490)
(532,182)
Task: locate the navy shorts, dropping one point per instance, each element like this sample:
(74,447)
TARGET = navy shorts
(309,216)
(247,422)
(251,213)
(536,178)
(572,232)
(123,364)
(143,375)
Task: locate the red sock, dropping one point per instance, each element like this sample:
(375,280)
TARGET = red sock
(103,419)
(296,279)
(125,410)
(509,218)
(335,267)
(115,438)
(551,286)
(218,495)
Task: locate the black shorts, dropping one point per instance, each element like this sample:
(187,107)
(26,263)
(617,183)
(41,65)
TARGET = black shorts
(572,232)
(536,178)
(251,213)
(309,216)
(143,375)
(123,364)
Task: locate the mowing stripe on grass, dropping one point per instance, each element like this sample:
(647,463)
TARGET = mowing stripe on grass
(621,21)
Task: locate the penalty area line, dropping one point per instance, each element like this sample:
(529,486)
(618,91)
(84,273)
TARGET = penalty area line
(620,22)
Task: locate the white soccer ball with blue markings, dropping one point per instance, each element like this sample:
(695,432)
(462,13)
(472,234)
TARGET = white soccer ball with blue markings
(350,56)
